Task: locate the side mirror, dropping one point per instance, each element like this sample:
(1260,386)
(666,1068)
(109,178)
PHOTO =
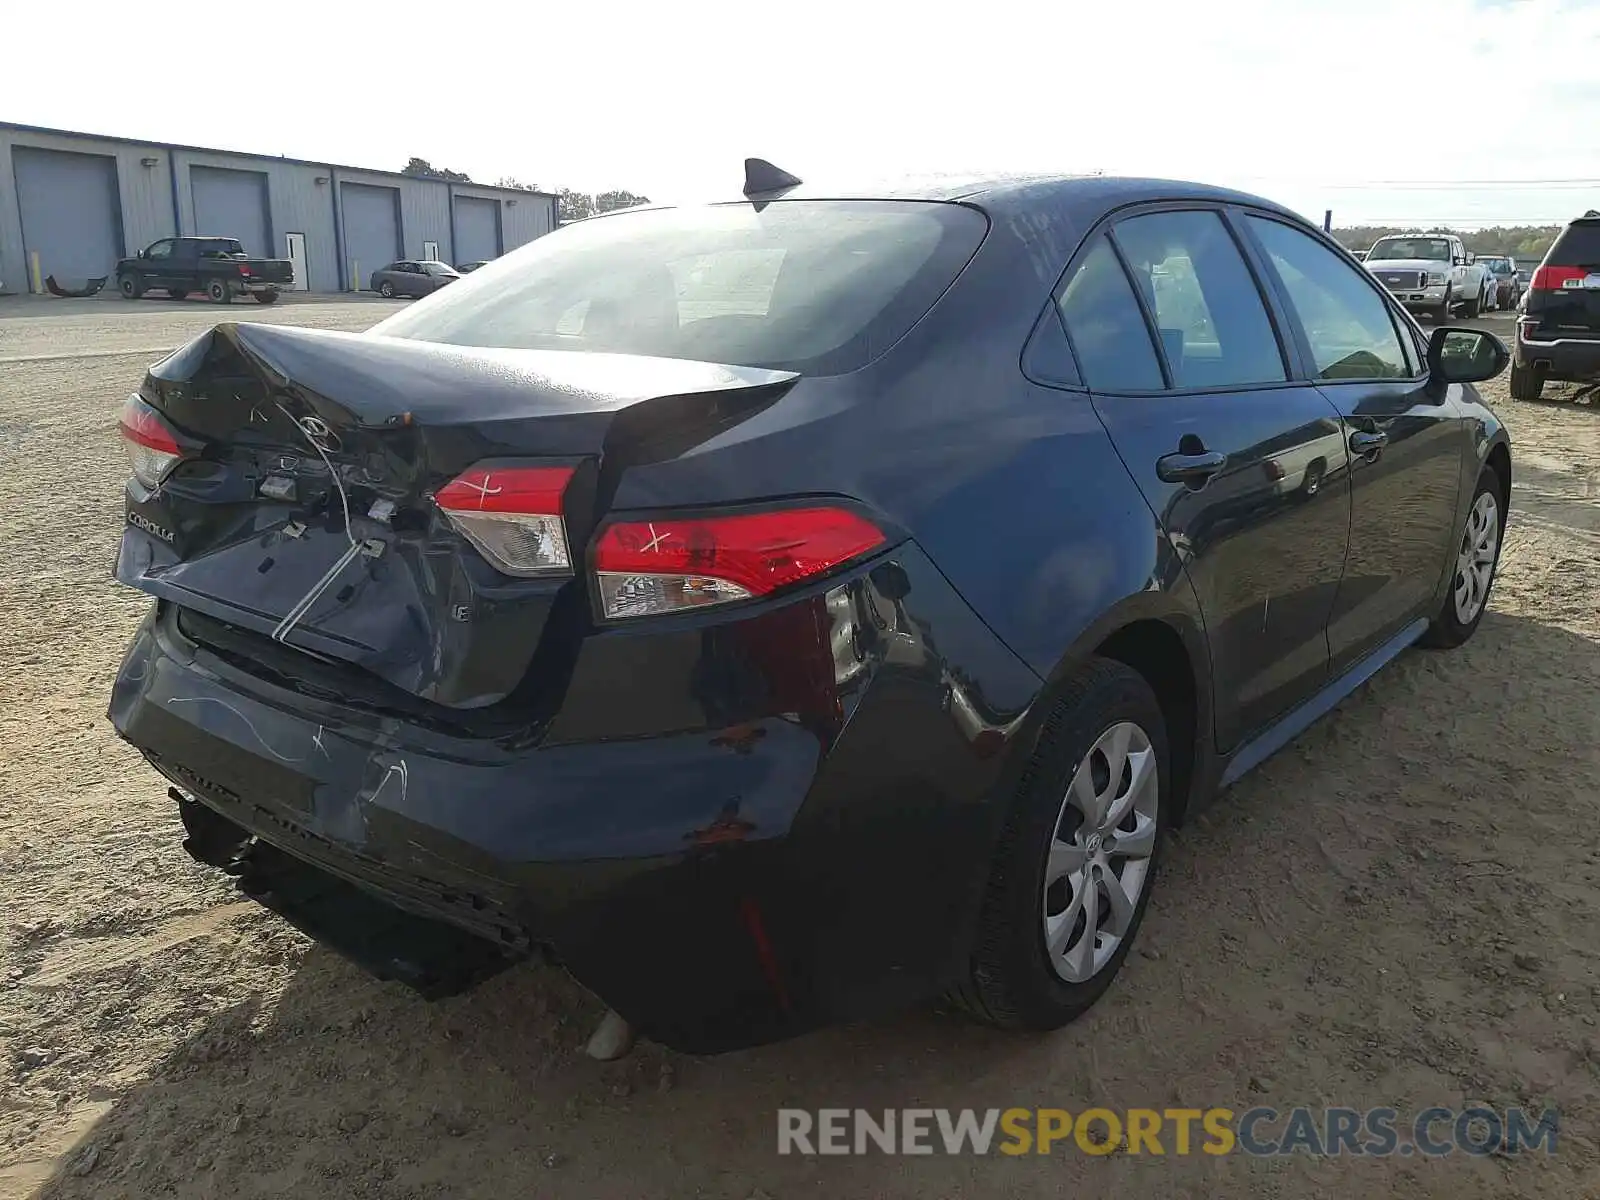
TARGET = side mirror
(145,253)
(1466,355)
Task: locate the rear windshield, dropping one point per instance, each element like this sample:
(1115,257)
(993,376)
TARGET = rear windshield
(1578,246)
(820,287)
(1427,249)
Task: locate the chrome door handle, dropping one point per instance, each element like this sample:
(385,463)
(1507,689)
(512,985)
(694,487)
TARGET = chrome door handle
(1192,469)
(1364,442)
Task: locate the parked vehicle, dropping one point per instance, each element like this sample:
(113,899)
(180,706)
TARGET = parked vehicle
(410,277)
(217,266)
(783,610)
(1558,332)
(1505,278)
(1429,273)
(468,268)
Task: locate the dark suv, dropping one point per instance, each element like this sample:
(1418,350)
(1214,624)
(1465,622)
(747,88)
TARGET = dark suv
(1558,333)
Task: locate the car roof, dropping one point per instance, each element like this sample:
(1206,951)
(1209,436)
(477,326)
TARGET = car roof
(1085,198)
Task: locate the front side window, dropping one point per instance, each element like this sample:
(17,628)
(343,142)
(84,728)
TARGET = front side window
(1107,330)
(1213,324)
(820,287)
(1346,321)
(160,250)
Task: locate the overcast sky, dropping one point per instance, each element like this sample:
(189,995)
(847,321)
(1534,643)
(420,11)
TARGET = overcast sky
(1319,105)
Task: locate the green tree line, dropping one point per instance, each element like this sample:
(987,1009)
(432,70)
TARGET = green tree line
(1525,243)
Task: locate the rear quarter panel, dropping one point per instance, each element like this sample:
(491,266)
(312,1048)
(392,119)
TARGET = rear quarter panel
(1012,488)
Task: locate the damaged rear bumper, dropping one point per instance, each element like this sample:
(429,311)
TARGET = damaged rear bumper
(736,881)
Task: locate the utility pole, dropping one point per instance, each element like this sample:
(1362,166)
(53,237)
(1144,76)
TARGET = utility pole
(1327,221)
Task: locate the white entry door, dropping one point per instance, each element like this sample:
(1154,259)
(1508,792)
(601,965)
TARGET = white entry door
(430,251)
(297,255)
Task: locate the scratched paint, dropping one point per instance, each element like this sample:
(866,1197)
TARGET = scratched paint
(249,724)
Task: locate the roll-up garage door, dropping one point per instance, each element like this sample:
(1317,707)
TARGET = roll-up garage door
(477,229)
(232,204)
(71,213)
(371,227)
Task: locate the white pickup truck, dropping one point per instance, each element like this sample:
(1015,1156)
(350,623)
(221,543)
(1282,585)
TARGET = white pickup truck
(1430,273)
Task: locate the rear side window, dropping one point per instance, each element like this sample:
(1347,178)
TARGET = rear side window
(1347,324)
(1577,246)
(1213,325)
(820,287)
(1108,332)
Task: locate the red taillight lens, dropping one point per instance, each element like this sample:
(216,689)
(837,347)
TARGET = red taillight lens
(1551,279)
(244,270)
(152,450)
(513,515)
(677,563)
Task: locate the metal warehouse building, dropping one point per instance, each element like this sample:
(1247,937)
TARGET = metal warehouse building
(71,204)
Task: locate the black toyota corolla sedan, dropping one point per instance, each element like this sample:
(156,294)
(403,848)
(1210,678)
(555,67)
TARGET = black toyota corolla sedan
(781,610)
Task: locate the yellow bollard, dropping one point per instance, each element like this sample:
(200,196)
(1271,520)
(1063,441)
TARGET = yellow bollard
(38,279)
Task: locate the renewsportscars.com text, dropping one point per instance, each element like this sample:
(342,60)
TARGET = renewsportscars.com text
(1374,1132)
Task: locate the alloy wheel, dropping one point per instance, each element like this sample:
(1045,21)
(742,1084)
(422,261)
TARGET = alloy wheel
(1099,859)
(1480,543)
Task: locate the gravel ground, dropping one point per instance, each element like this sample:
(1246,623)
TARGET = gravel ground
(1398,910)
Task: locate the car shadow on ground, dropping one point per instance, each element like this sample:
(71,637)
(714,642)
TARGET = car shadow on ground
(1265,945)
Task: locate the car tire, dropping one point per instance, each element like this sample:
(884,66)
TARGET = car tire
(386,290)
(131,286)
(177,293)
(1471,308)
(1010,980)
(1467,598)
(220,291)
(1311,482)
(269,297)
(1527,383)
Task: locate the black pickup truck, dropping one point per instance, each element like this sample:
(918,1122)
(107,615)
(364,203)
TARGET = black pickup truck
(217,266)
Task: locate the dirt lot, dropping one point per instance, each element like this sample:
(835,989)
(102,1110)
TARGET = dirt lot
(1398,910)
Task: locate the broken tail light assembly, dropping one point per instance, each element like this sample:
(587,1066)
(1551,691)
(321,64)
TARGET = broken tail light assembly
(667,563)
(153,449)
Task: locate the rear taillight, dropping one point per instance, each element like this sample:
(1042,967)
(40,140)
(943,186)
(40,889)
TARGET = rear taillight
(672,563)
(244,269)
(152,450)
(1553,279)
(513,515)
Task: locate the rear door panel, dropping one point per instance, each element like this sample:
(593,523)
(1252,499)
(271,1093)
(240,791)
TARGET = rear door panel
(1263,540)
(1263,537)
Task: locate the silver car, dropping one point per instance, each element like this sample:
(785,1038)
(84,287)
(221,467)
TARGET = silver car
(411,277)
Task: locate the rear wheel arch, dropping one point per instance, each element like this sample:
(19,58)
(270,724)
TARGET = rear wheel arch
(1158,652)
(1156,636)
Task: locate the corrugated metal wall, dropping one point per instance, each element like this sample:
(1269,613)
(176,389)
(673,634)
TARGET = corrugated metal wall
(156,193)
(523,218)
(297,203)
(145,192)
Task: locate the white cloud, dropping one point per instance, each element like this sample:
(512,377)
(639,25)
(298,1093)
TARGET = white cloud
(1294,99)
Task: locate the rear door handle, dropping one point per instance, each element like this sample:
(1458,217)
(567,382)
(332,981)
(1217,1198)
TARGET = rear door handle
(1367,441)
(1192,469)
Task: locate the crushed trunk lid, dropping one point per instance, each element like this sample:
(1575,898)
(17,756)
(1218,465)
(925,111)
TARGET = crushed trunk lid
(307,514)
